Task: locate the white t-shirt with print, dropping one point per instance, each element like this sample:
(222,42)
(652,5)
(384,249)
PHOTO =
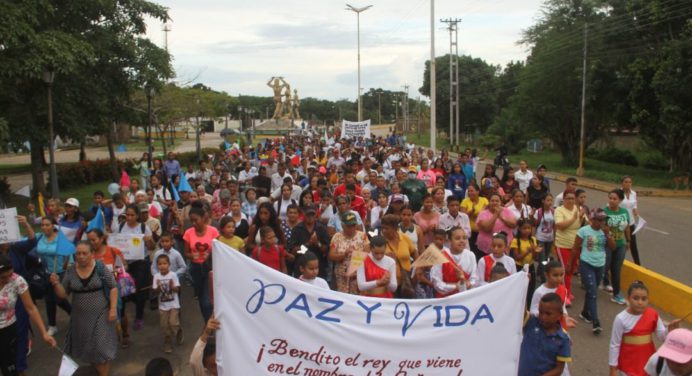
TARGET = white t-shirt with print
(168,299)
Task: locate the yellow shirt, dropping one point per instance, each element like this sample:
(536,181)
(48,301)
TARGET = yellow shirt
(472,210)
(525,246)
(235,242)
(565,238)
(403,252)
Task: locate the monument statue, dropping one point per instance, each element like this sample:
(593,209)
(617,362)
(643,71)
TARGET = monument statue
(277,84)
(286,105)
(288,111)
(296,105)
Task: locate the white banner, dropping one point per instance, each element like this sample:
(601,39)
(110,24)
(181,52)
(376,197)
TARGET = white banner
(355,129)
(9,228)
(272,323)
(132,246)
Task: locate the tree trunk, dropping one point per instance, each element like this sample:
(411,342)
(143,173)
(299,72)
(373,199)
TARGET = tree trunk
(111,152)
(82,152)
(162,136)
(37,179)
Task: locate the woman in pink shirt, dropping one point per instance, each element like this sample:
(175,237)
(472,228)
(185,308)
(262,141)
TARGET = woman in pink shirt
(198,240)
(426,174)
(427,219)
(494,218)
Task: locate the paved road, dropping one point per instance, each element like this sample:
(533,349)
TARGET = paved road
(663,247)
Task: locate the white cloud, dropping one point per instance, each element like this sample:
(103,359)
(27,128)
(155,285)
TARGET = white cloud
(237,45)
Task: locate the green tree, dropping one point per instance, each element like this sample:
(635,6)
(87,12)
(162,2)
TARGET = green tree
(477,92)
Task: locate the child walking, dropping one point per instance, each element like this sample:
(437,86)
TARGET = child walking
(545,232)
(167,285)
(525,249)
(497,255)
(377,275)
(269,253)
(631,342)
(459,272)
(227,234)
(545,348)
(309,269)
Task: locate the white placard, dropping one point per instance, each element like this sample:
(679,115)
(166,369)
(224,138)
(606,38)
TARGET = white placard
(9,228)
(132,246)
(355,129)
(67,366)
(272,323)
(640,225)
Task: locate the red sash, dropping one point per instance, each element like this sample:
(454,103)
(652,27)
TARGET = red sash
(449,275)
(561,291)
(373,273)
(637,345)
(489,263)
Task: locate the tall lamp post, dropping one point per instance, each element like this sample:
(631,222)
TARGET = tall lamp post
(433,80)
(150,91)
(48,77)
(358,11)
(198,146)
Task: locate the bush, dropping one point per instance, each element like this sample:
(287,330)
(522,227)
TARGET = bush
(613,155)
(653,160)
(191,156)
(84,173)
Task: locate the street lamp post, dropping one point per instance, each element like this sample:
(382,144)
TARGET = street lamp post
(198,146)
(48,77)
(379,107)
(150,93)
(433,83)
(358,11)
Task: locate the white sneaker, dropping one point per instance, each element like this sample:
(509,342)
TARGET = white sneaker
(52,330)
(607,288)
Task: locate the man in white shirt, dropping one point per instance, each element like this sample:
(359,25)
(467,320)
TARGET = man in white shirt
(365,172)
(523,176)
(454,218)
(336,159)
(279,176)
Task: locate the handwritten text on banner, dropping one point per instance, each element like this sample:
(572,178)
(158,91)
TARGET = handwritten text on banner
(273,324)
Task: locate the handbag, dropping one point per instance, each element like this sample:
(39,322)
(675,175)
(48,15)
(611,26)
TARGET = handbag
(36,275)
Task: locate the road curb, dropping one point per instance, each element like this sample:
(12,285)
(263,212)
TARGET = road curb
(607,187)
(665,293)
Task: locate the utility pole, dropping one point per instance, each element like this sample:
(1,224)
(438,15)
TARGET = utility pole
(433,83)
(454,127)
(580,169)
(166,29)
(379,106)
(404,108)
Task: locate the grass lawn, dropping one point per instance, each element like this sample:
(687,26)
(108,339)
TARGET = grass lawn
(8,169)
(83,193)
(594,169)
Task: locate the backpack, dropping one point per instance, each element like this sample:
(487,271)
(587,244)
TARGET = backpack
(126,284)
(36,275)
(101,273)
(143,227)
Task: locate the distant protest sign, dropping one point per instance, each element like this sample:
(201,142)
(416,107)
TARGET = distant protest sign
(132,246)
(272,323)
(9,229)
(355,129)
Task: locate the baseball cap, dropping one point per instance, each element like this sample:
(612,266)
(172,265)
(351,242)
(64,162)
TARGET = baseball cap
(412,169)
(349,218)
(597,213)
(541,166)
(309,211)
(72,202)
(398,197)
(143,206)
(677,346)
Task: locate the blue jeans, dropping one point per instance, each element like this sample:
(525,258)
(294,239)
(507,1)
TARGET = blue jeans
(200,283)
(22,335)
(591,277)
(614,261)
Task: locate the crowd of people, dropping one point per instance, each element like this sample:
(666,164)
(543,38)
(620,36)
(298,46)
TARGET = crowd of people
(303,206)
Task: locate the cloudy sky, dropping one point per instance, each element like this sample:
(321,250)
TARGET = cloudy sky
(236,46)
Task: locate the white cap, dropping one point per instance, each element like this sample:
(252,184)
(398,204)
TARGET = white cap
(72,202)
